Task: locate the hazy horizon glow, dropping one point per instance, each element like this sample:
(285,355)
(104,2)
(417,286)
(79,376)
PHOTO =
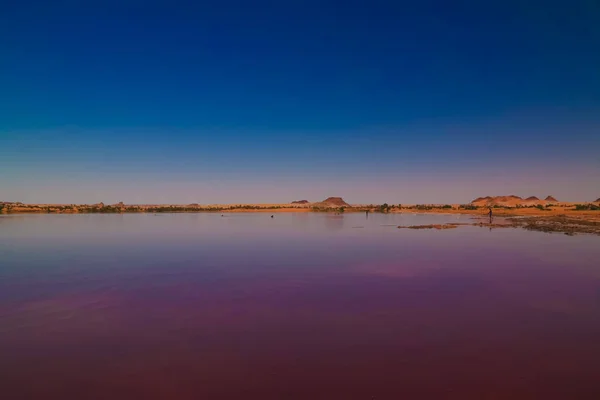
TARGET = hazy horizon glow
(269,104)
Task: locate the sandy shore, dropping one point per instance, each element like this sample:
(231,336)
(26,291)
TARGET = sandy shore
(567,209)
(563,217)
(515,212)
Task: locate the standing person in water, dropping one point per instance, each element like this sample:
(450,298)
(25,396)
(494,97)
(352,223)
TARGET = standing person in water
(490,214)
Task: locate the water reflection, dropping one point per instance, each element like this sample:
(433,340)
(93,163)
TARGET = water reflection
(334,222)
(299,306)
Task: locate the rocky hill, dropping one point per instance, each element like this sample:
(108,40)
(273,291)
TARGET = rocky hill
(300,202)
(333,202)
(507,201)
(511,201)
(481,200)
(531,201)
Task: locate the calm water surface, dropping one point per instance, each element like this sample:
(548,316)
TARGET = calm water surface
(299,306)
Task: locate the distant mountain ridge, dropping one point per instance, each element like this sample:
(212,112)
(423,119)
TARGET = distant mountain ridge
(511,201)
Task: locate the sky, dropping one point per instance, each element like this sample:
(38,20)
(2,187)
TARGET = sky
(274,101)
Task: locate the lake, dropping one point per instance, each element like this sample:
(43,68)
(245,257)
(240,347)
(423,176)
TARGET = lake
(299,306)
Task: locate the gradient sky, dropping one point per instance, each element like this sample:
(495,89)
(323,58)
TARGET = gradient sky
(239,101)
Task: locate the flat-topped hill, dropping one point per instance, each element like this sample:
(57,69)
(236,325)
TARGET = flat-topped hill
(333,202)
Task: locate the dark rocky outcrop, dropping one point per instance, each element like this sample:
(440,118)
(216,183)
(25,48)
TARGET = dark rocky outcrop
(434,226)
(334,202)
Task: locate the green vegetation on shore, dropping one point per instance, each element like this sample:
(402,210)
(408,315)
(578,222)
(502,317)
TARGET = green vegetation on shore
(587,207)
(101,208)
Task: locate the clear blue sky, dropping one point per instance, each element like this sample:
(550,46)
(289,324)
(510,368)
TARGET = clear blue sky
(239,101)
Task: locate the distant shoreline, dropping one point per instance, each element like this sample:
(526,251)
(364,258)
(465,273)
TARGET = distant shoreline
(588,210)
(567,218)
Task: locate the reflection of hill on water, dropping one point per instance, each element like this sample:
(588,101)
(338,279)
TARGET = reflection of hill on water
(334,222)
(301,219)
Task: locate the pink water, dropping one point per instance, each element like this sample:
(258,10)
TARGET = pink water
(301,306)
